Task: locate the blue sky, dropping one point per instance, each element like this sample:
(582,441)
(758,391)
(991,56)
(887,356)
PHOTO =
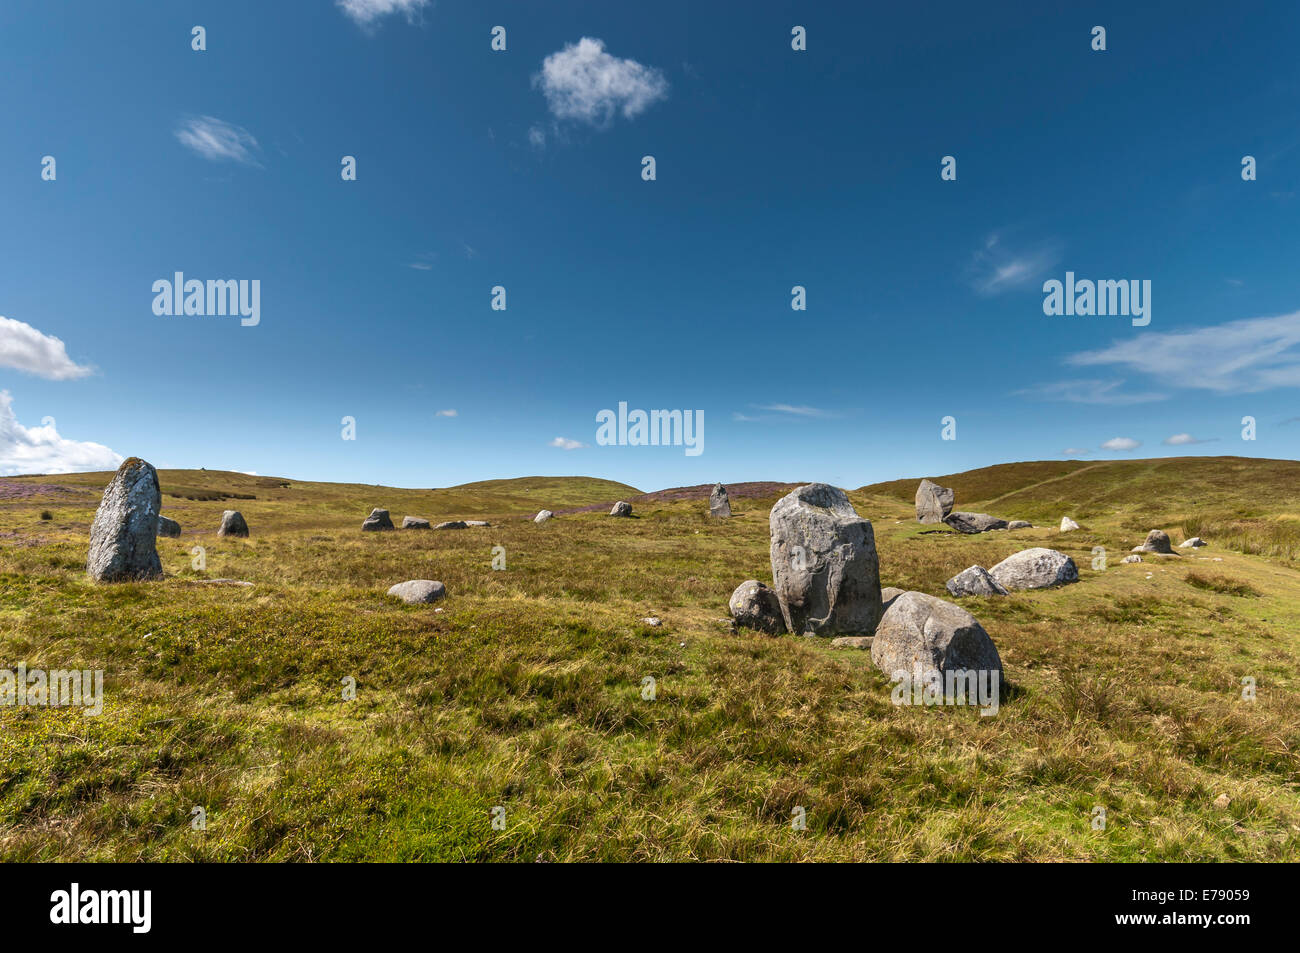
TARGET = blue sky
(522,168)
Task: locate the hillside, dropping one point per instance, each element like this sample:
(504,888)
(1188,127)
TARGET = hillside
(525,687)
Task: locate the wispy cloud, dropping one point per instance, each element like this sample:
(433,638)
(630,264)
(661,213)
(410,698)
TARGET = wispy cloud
(1238,357)
(447,413)
(998,267)
(43,450)
(1186,439)
(1075,451)
(218,141)
(779,412)
(585,84)
(1089,392)
(1121,443)
(26,349)
(365,13)
(565,443)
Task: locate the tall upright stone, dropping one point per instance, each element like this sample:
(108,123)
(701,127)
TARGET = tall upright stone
(719,504)
(824,565)
(122,537)
(933,502)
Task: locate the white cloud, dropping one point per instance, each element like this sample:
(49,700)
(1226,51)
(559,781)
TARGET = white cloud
(997,268)
(1075,451)
(564,443)
(537,137)
(366,12)
(1238,357)
(1184,439)
(1089,392)
(42,450)
(584,83)
(24,348)
(447,413)
(1121,443)
(217,140)
(791,409)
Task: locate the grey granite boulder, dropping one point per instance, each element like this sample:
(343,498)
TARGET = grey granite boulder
(975,581)
(922,634)
(1020,524)
(376,521)
(973,522)
(1195,542)
(122,537)
(1068,524)
(453,524)
(824,565)
(543,515)
(1157,541)
(415,591)
(933,502)
(477,523)
(232,524)
(621,508)
(168,527)
(719,504)
(1134,558)
(755,606)
(1037,568)
(413,522)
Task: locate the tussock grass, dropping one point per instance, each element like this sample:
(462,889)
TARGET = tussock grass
(526,692)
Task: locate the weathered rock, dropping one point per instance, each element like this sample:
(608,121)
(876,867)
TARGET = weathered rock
(1068,524)
(122,537)
(1132,559)
(168,527)
(477,523)
(543,515)
(933,502)
(973,522)
(453,524)
(1020,524)
(653,621)
(1157,541)
(975,581)
(232,524)
(922,634)
(719,504)
(852,642)
(888,594)
(418,590)
(825,570)
(755,606)
(376,521)
(621,508)
(413,522)
(1195,542)
(1037,568)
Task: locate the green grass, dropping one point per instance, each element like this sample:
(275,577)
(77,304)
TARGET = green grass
(526,691)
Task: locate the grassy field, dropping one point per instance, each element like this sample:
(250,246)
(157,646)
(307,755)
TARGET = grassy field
(525,692)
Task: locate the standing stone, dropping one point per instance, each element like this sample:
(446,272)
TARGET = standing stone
(1037,568)
(973,522)
(233,524)
(122,537)
(1157,541)
(921,634)
(543,515)
(824,565)
(1068,524)
(410,522)
(975,581)
(168,527)
(755,606)
(376,521)
(621,508)
(719,505)
(933,502)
